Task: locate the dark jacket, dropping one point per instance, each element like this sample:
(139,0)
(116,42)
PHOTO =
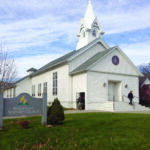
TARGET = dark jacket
(130,95)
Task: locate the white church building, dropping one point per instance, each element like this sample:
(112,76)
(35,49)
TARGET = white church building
(104,75)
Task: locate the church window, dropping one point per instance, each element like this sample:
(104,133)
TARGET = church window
(94,33)
(10,93)
(7,93)
(115,60)
(95,23)
(83,34)
(81,29)
(55,83)
(39,89)
(14,92)
(45,87)
(33,90)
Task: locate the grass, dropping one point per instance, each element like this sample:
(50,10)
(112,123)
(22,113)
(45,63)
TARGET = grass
(90,131)
(66,109)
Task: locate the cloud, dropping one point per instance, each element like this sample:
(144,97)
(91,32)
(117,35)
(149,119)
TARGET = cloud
(24,63)
(117,21)
(35,32)
(37,22)
(36,26)
(139,53)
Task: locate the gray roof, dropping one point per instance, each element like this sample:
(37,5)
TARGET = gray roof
(89,62)
(62,60)
(59,61)
(56,62)
(21,79)
(32,70)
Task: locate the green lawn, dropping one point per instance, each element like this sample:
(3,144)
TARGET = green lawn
(93,131)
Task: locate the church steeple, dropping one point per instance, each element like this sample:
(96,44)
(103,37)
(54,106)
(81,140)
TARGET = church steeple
(89,15)
(90,28)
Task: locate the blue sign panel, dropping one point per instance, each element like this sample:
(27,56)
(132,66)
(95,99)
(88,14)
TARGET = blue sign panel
(23,105)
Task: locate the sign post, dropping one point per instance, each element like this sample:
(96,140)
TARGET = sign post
(44,113)
(1,110)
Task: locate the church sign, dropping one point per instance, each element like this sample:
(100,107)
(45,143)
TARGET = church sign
(23,105)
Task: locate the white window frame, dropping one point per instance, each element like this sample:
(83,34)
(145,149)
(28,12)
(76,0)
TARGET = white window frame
(45,87)
(33,90)
(39,89)
(10,93)
(55,83)
(14,91)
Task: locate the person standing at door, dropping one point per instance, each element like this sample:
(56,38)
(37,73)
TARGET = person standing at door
(130,96)
(82,102)
(79,103)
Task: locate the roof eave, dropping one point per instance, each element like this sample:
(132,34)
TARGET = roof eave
(78,72)
(48,69)
(91,44)
(139,73)
(21,79)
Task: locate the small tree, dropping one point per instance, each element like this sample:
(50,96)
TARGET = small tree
(145,68)
(7,70)
(55,113)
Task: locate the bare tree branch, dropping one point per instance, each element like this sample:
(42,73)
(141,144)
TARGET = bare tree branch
(7,70)
(145,68)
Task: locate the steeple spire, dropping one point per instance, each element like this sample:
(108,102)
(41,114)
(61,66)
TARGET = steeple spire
(90,28)
(89,15)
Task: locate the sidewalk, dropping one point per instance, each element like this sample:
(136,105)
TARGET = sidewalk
(93,111)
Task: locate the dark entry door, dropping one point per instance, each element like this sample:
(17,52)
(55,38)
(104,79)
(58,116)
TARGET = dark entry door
(80,101)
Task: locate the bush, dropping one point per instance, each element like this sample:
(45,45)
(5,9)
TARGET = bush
(55,114)
(24,124)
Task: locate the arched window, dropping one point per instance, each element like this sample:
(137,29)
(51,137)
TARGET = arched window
(83,34)
(95,23)
(94,33)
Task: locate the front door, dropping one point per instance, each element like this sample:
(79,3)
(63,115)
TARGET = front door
(114,91)
(111,91)
(80,100)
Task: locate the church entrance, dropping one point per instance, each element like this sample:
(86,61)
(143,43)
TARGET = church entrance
(114,91)
(80,101)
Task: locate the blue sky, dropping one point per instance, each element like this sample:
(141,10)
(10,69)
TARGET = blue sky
(35,32)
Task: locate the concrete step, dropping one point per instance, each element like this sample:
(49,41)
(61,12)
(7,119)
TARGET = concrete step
(107,106)
(121,106)
(124,106)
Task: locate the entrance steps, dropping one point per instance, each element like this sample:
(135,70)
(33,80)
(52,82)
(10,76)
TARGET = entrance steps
(140,107)
(121,106)
(106,106)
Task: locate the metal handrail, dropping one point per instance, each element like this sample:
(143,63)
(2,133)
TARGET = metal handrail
(127,97)
(133,103)
(123,97)
(113,100)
